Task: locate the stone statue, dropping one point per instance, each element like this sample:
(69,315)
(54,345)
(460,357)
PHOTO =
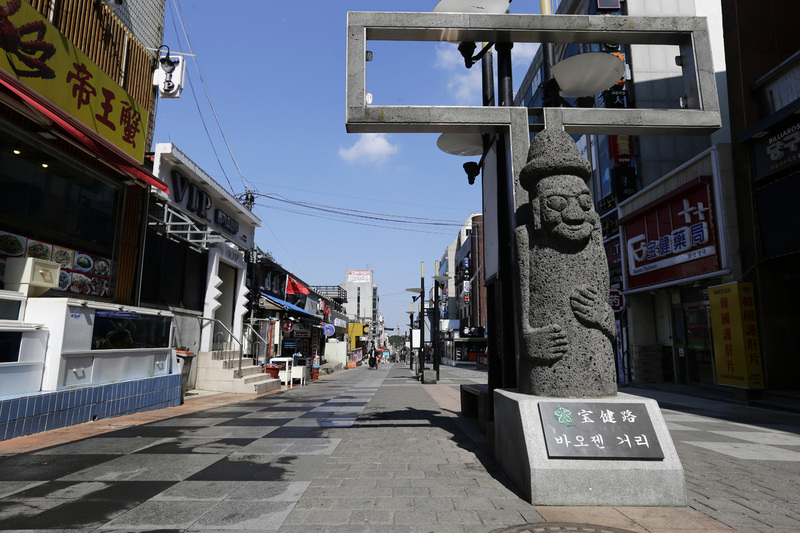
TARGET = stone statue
(567,324)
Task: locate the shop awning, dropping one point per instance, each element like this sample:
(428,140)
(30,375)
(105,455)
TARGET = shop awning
(83,136)
(292,309)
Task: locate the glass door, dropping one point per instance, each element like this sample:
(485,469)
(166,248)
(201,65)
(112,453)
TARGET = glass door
(697,345)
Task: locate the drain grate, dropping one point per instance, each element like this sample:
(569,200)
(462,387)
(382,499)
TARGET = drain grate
(549,527)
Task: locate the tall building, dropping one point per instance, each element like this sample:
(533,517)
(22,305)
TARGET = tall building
(698,239)
(363,302)
(462,297)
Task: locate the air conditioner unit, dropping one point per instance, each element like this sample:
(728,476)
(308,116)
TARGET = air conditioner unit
(31,276)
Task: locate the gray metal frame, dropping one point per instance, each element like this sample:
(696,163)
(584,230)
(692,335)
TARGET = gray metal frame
(700,116)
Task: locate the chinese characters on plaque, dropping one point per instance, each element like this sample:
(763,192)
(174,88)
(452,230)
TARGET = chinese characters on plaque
(56,69)
(735,331)
(595,430)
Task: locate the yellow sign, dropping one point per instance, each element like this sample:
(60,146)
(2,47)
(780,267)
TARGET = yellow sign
(355,330)
(43,59)
(735,332)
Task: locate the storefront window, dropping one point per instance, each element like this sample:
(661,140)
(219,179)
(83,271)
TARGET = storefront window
(51,209)
(124,330)
(693,337)
(46,198)
(603,167)
(174,274)
(9,346)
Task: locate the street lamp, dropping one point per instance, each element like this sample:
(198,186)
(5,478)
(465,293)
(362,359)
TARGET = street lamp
(411,336)
(418,292)
(437,352)
(421,292)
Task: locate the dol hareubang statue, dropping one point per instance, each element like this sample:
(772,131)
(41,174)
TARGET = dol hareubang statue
(567,324)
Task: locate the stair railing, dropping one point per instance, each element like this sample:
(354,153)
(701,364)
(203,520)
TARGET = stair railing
(255,344)
(238,373)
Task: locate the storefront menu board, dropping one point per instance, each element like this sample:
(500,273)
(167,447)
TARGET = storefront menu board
(599,430)
(81,273)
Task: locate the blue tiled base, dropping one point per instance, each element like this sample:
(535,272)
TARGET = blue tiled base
(43,411)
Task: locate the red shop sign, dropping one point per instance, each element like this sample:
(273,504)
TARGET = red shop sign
(672,238)
(621,148)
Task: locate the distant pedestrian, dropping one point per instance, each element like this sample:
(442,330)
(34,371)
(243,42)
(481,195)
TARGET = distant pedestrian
(373,360)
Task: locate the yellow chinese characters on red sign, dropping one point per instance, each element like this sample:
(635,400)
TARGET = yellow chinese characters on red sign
(33,51)
(735,331)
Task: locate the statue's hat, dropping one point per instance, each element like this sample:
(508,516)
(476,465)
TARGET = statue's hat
(553,153)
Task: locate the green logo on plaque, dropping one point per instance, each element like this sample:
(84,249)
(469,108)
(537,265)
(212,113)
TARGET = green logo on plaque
(563,415)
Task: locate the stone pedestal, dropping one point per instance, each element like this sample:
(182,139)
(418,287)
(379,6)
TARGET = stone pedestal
(522,452)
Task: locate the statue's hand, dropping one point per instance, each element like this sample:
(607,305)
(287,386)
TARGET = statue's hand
(547,344)
(592,309)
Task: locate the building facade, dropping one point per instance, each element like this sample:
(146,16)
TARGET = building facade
(363,306)
(462,297)
(76,112)
(688,259)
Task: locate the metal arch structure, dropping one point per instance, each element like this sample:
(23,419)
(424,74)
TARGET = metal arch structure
(700,115)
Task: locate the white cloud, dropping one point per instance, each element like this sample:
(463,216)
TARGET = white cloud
(464,84)
(448,57)
(370,148)
(523,53)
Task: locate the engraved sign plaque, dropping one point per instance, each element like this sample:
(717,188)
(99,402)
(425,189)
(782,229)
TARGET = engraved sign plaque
(599,430)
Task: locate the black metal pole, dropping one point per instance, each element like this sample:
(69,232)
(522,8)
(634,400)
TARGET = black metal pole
(411,338)
(504,226)
(421,366)
(504,79)
(436,350)
(494,351)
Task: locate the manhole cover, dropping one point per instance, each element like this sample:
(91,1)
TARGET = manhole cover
(547,527)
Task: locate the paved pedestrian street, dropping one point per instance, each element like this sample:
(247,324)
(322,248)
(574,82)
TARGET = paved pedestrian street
(742,464)
(363,450)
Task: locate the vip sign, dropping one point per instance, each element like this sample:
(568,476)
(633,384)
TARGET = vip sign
(673,238)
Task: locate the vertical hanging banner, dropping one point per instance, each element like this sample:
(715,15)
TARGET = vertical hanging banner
(735,333)
(34,52)
(620,148)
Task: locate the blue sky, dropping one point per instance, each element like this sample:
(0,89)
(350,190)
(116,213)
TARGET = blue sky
(274,73)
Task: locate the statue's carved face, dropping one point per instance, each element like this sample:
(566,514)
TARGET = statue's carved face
(566,208)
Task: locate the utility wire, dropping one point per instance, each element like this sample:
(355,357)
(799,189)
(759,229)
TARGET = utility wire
(179,14)
(208,97)
(369,215)
(370,224)
(330,193)
(197,103)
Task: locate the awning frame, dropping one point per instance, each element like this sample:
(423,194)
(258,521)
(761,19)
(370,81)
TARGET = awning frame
(293,309)
(75,132)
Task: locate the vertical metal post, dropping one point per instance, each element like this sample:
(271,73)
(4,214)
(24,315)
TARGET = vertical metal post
(493,322)
(411,337)
(436,348)
(421,366)
(504,226)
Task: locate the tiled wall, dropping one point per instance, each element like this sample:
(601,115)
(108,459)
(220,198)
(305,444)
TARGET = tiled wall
(34,413)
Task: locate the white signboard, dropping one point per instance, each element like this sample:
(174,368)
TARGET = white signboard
(359,276)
